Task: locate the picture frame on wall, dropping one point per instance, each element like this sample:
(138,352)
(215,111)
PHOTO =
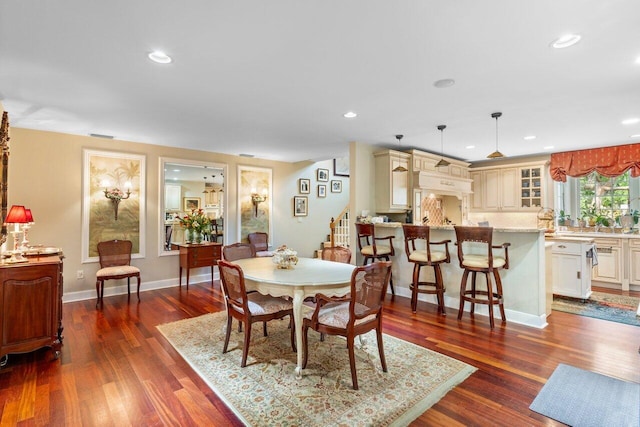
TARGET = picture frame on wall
(190,203)
(322,191)
(336,186)
(322,175)
(341,166)
(304,186)
(300,206)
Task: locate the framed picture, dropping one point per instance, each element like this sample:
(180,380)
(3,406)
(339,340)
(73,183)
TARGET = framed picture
(323,175)
(322,190)
(254,214)
(304,186)
(336,186)
(189,203)
(300,206)
(341,166)
(113,201)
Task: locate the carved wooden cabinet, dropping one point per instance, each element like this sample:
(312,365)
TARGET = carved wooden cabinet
(204,254)
(31,306)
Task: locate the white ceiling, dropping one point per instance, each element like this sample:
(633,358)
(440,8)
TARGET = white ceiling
(273,78)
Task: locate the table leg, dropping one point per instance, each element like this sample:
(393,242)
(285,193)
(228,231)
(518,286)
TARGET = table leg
(180,277)
(297,320)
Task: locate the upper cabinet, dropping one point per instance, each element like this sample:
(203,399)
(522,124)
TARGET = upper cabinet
(392,187)
(172,197)
(509,188)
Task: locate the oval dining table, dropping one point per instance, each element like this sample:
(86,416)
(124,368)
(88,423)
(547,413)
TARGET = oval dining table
(307,278)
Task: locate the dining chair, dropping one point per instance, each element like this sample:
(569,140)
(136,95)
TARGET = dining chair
(115,263)
(352,315)
(217,230)
(475,253)
(238,251)
(337,254)
(261,242)
(425,254)
(249,308)
(370,249)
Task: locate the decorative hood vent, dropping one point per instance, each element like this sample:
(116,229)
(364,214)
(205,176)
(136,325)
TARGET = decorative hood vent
(442,184)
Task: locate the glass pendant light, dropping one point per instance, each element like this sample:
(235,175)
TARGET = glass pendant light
(442,161)
(399,168)
(496,154)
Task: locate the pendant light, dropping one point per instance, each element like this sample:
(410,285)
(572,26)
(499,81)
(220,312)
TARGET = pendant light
(496,154)
(442,161)
(399,168)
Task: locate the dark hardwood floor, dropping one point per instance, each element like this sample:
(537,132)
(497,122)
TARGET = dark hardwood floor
(117,370)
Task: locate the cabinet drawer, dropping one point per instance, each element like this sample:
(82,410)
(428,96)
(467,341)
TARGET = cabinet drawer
(634,243)
(615,243)
(567,248)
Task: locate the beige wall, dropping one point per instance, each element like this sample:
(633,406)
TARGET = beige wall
(45,174)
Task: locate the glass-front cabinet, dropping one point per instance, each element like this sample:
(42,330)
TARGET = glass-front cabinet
(531,187)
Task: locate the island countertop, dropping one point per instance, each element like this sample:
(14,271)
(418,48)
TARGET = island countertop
(450,227)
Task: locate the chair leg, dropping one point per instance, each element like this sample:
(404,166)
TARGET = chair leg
(138,288)
(463,287)
(490,298)
(439,289)
(414,290)
(247,339)
(473,291)
(352,361)
(98,283)
(228,334)
(393,292)
(264,329)
(383,361)
(129,287)
(496,273)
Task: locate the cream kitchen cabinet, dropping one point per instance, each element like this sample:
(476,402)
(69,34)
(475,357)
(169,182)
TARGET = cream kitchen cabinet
(476,199)
(634,261)
(500,190)
(571,267)
(172,197)
(609,268)
(392,188)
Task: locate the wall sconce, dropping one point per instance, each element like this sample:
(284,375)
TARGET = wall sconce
(116,195)
(256,199)
(17,215)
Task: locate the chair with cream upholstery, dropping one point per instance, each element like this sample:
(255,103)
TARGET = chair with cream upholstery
(424,256)
(337,254)
(370,249)
(115,263)
(261,242)
(355,314)
(251,307)
(475,253)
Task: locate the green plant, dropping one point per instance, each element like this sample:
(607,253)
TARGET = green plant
(603,221)
(563,218)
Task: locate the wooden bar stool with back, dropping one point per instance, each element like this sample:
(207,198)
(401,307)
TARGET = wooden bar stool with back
(475,253)
(370,250)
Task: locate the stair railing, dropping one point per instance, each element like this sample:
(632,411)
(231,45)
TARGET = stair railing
(340,229)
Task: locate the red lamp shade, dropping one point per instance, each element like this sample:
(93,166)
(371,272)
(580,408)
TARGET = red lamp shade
(29,215)
(17,215)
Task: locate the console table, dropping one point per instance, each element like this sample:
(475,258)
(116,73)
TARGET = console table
(31,306)
(194,255)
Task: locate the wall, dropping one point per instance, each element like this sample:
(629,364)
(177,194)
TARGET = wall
(45,174)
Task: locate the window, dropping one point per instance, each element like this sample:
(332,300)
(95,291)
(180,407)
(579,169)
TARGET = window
(601,196)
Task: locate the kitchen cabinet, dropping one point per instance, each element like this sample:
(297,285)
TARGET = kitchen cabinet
(609,268)
(392,188)
(172,197)
(634,261)
(500,191)
(476,198)
(31,306)
(571,267)
(531,180)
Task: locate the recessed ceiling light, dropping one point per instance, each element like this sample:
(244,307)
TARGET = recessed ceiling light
(440,84)
(548,147)
(631,121)
(350,115)
(637,135)
(638,60)
(160,57)
(470,147)
(566,41)
(529,137)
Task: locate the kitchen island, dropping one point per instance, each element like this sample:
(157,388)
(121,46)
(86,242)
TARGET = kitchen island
(525,295)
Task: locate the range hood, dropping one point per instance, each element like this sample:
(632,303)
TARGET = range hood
(441,184)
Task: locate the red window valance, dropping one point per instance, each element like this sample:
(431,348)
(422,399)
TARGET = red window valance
(607,161)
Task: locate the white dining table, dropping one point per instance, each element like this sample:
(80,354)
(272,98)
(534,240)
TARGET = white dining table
(308,278)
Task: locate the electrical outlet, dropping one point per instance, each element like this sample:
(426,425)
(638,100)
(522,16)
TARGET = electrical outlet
(80,274)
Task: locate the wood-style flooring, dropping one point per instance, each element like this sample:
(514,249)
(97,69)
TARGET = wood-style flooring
(116,369)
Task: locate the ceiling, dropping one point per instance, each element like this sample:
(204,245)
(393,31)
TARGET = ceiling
(273,78)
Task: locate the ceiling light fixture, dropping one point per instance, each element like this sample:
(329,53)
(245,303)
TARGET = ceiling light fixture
(548,147)
(442,161)
(350,115)
(441,84)
(631,121)
(399,168)
(529,137)
(566,41)
(496,154)
(470,147)
(637,135)
(159,57)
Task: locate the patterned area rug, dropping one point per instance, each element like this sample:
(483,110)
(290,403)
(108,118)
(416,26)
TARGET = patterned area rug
(267,392)
(616,308)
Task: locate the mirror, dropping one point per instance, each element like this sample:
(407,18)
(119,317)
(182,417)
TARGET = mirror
(186,185)
(4,147)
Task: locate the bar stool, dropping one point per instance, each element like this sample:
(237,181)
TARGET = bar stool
(475,253)
(425,258)
(370,250)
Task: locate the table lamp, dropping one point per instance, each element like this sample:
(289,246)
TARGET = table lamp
(25,229)
(17,215)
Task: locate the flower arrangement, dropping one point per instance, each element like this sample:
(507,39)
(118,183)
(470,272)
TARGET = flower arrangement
(197,222)
(284,257)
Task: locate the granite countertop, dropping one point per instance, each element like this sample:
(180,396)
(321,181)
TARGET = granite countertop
(593,235)
(450,227)
(565,238)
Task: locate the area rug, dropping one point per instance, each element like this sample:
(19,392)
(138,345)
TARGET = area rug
(581,398)
(615,308)
(267,392)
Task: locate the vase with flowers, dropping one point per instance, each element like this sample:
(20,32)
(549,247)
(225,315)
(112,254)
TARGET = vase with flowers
(195,224)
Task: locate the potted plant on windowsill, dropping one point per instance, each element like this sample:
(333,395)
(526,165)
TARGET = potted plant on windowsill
(564,219)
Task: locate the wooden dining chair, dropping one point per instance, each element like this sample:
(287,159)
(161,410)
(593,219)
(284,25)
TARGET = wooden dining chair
(261,242)
(249,308)
(115,263)
(238,251)
(337,254)
(352,315)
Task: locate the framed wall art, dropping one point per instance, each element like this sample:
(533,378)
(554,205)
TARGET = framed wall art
(322,175)
(300,206)
(113,201)
(254,201)
(304,186)
(322,191)
(189,203)
(336,186)
(341,166)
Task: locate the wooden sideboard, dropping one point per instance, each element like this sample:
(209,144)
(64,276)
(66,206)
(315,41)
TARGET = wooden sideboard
(206,254)
(31,306)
